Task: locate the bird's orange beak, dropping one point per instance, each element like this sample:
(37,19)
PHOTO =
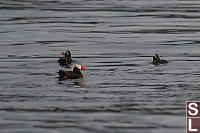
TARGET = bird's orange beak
(63,53)
(83,68)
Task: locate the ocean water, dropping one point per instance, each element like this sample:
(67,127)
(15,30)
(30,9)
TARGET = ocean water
(122,92)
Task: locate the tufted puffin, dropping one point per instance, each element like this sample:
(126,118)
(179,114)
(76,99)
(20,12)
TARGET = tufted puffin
(74,74)
(157,60)
(66,60)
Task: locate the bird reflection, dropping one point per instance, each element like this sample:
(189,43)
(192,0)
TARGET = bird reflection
(76,83)
(80,83)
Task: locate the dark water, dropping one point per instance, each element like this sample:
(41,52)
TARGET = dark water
(115,39)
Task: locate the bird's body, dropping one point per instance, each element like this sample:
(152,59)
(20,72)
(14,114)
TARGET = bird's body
(157,60)
(66,60)
(74,74)
(63,61)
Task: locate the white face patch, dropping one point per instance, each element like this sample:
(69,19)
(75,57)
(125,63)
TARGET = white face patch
(79,66)
(67,52)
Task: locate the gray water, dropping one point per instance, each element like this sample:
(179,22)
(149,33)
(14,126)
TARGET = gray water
(122,92)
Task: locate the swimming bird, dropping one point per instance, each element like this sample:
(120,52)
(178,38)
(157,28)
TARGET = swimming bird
(74,74)
(157,60)
(66,60)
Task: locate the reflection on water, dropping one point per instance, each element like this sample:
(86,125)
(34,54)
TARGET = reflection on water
(73,82)
(121,91)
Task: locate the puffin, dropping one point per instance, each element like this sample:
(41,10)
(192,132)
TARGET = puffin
(157,60)
(74,74)
(66,60)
